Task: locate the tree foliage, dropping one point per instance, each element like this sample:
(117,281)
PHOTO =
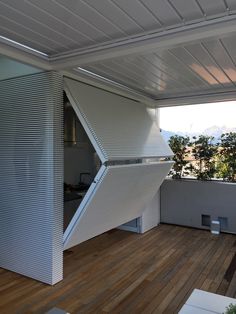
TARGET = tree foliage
(231,309)
(179,146)
(204,159)
(204,151)
(227,152)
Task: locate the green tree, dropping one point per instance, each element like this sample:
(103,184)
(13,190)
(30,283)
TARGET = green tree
(204,152)
(227,151)
(231,309)
(179,146)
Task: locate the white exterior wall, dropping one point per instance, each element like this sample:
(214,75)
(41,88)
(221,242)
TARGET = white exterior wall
(151,216)
(184,202)
(31,176)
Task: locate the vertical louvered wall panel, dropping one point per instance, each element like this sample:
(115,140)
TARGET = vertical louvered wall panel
(31,176)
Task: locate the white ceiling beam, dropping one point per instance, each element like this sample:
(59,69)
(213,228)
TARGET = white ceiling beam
(146,43)
(110,87)
(24,54)
(196,99)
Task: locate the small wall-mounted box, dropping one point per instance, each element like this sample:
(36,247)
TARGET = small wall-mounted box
(215,227)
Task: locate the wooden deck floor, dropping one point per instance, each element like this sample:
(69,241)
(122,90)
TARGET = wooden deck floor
(121,272)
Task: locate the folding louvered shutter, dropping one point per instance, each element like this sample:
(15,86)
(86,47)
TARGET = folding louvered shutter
(118,127)
(121,194)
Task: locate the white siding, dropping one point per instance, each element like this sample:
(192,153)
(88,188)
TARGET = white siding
(31,176)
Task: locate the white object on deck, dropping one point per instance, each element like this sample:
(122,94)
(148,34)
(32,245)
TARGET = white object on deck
(215,227)
(205,302)
(56,310)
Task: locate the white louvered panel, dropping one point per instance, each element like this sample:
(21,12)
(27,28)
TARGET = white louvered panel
(122,77)
(163,10)
(149,76)
(23,13)
(204,57)
(191,69)
(229,44)
(31,176)
(213,7)
(70,20)
(31,34)
(187,10)
(120,128)
(141,15)
(118,17)
(92,16)
(120,195)
(222,57)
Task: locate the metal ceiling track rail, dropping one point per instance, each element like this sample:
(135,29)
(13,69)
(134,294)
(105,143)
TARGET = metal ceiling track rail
(148,42)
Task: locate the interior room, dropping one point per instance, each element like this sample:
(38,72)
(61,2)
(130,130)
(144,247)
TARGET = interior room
(81,162)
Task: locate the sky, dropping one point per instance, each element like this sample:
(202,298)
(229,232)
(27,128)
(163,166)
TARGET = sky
(197,118)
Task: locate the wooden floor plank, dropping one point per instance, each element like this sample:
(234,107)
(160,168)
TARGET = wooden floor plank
(122,272)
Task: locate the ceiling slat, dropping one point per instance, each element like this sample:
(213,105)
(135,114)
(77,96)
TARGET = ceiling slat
(95,18)
(5,32)
(138,78)
(139,75)
(200,55)
(230,45)
(146,67)
(175,74)
(141,16)
(189,10)
(164,12)
(222,57)
(30,35)
(213,7)
(73,22)
(181,63)
(41,22)
(219,66)
(114,14)
(146,74)
(26,20)
(112,75)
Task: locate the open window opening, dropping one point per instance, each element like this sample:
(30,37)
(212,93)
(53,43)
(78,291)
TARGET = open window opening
(81,162)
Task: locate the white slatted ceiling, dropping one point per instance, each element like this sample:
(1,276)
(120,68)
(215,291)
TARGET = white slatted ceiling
(55,26)
(189,12)
(31,176)
(120,127)
(200,67)
(213,7)
(122,194)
